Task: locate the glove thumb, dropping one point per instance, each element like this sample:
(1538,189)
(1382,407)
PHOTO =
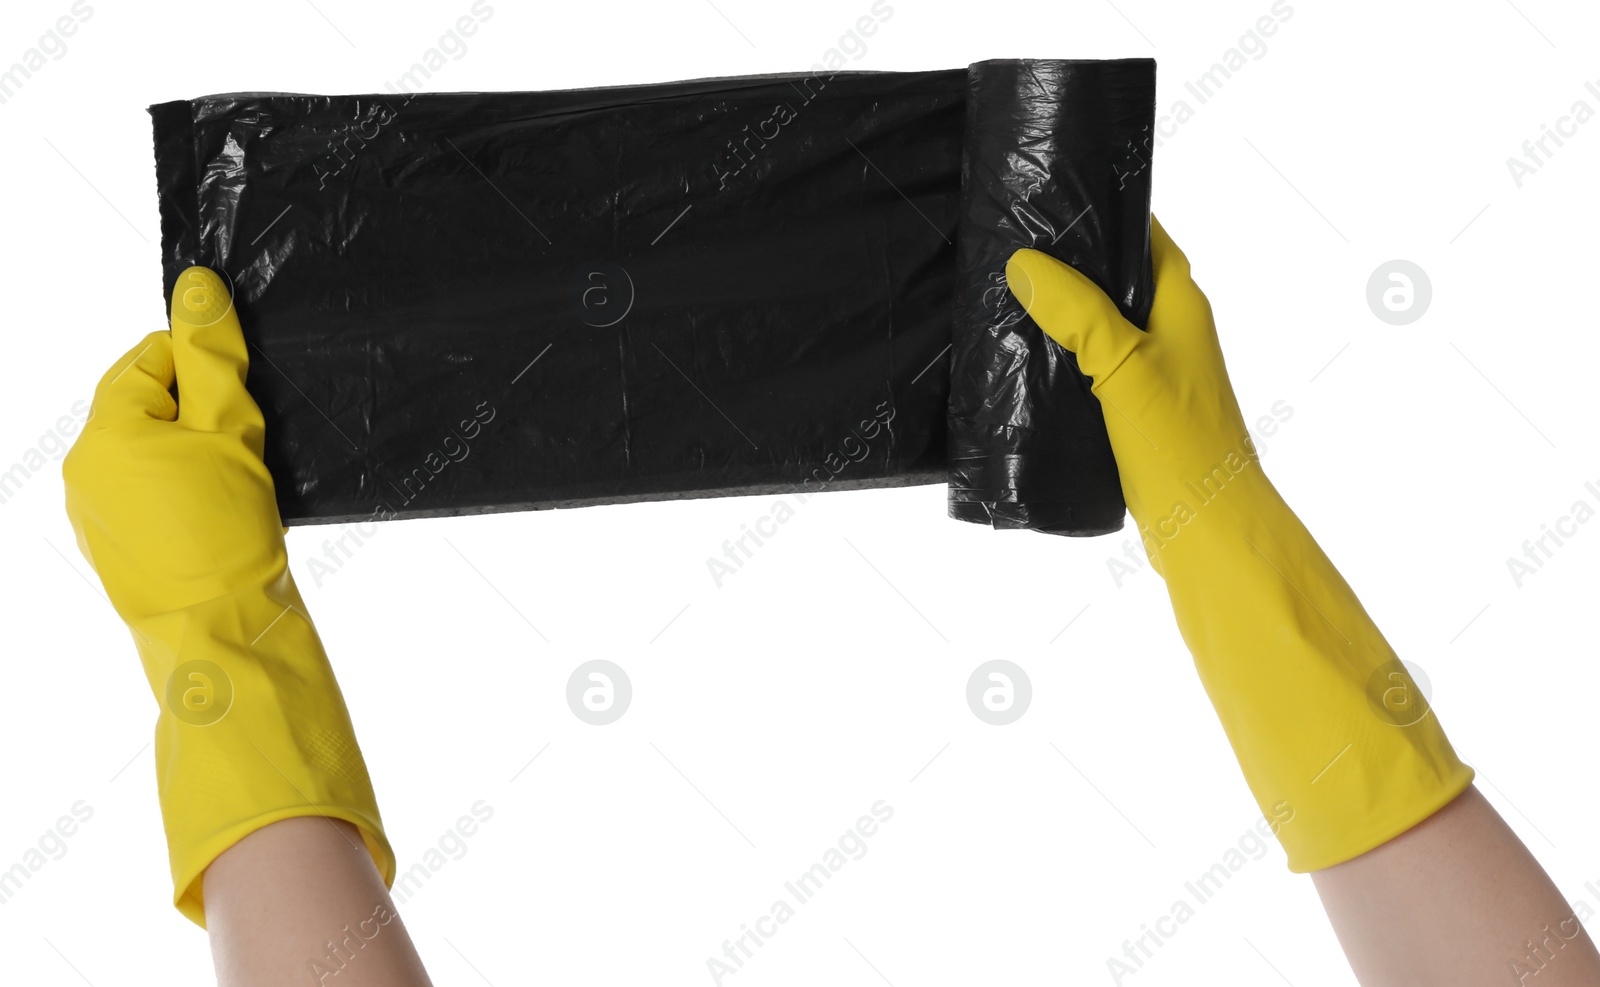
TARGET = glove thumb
(209,354)
(1073,311)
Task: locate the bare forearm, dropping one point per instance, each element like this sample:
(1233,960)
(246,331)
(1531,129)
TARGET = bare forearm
(300,902)
(1456,901)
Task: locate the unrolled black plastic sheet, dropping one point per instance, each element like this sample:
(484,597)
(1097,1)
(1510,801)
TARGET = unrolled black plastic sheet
(471,302)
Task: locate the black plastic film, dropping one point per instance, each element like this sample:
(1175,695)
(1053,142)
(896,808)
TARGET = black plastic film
(472,302)
(1055,161)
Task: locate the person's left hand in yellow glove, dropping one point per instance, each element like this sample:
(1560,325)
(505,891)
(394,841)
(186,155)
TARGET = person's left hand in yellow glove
(174,509)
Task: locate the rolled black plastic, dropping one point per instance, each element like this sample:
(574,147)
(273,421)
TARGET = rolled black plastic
(1057,160)
(472,302)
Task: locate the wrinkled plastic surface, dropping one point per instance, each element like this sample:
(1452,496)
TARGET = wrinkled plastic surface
(1056,161)
(471,302)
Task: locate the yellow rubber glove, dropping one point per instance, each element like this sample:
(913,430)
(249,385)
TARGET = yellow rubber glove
(1334,739)
(175,511)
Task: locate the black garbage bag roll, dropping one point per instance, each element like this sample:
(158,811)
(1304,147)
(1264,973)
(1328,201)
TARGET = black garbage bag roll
(1056,160)
(471,302)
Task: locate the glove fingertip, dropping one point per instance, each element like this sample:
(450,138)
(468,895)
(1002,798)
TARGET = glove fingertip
(1021,274)
(200,298)
(1058,297)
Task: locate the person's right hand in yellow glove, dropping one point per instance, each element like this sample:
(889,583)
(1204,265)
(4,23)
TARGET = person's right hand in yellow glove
(1330,731)
(1422,880)
(174,509)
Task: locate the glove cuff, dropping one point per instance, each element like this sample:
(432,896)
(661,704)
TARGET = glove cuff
(253,729)
(1336,741)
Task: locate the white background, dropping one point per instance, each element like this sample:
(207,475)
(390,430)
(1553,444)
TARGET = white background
(828,674)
